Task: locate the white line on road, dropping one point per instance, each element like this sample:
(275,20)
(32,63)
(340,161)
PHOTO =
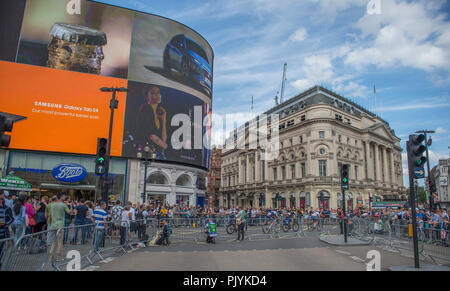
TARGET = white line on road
(343,252)
(91,268)
(355,258)
(107,260)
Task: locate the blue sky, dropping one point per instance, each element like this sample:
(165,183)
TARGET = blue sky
(404,51)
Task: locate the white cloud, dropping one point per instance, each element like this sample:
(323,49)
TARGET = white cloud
(318,69)
(435,157)
(405,163)
(299,35)
(412,107)
(440,130)
(417,37)
(330,8)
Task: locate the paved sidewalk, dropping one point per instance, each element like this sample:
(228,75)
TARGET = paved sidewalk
(338,240)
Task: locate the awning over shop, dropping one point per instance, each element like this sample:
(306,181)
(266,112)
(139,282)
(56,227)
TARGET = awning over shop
(11,182)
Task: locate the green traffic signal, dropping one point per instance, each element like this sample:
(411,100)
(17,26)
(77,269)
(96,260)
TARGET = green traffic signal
(101,160)
(345,180)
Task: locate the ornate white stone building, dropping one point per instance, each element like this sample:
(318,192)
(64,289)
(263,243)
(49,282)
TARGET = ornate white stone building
(166,183)
(318,130)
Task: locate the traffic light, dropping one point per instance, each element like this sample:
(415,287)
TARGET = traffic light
(345,176)
(101,158)
(415,151)
(6,124)
(432,187)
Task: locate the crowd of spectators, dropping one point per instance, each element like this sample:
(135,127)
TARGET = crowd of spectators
(25,215)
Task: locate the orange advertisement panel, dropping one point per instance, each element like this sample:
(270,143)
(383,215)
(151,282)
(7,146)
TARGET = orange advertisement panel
(59,111)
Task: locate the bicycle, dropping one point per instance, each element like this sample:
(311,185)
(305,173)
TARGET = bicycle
(313,223)
(232,227)
(290,223)
(274,226)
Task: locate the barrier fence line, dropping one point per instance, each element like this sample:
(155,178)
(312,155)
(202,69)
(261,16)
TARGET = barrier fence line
(45,250)
(6,247)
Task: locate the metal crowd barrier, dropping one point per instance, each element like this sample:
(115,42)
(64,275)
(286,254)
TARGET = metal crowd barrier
(6,247)
(434,243)
(49,250)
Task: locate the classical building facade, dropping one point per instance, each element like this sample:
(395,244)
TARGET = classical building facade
(318,131)
(213,178)
(441,174)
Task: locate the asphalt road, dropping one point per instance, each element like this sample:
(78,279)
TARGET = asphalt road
(297,254)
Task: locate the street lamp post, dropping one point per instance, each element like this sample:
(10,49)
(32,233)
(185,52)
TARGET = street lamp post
(113,105)
(427,143)
(146,161)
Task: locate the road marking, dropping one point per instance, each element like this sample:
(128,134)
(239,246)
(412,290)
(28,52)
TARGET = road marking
(343,252)
(91,268)
(107,260)
(355,258)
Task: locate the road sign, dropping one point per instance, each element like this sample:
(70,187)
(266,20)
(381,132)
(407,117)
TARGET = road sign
(419,173)
(100,170)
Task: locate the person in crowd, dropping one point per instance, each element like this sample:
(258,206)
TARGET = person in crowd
(133,224)
(126,218)
(9,199)
(141,222)
(99,218)
(6,219)
(20,217)
(29,210)
(67,219)
(58,212)
(116,215)
(81,213)
(241,220)
(40,214)
(164,236)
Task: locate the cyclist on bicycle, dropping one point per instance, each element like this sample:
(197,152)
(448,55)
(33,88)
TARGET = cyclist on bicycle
(272,214)
(315,217)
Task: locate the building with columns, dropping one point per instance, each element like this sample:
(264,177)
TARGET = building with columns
(441,174)
(318,131)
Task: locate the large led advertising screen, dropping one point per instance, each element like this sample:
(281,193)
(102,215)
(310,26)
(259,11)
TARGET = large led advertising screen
(68,50)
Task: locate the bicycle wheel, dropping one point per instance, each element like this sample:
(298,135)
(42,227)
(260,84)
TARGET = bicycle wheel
(265,229)
(277,228)
(285,228)
(230,229)
(295,226)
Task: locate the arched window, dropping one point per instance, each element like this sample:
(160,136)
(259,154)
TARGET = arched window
(184,180)
(158,179)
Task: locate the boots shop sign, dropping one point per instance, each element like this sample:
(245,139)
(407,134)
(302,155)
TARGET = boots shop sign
(69,173)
